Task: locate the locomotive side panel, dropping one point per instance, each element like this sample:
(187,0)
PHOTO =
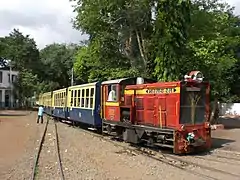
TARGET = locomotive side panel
(156,104)
(172,110)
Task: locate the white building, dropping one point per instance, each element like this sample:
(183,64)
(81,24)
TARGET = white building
(7,77)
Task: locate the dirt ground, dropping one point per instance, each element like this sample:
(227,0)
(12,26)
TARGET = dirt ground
(87,157)
(229,138)
(18,134)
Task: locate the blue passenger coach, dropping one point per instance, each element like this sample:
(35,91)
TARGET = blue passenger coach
(84,103)
(59,103)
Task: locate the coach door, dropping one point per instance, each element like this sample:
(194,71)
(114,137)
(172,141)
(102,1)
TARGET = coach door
(162,111)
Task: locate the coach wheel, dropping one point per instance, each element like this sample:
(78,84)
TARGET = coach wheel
(109,129)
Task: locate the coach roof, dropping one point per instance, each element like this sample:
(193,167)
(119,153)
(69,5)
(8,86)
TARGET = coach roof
(83,85)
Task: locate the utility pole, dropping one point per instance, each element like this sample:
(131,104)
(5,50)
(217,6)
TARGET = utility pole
(72,78)
(10,82)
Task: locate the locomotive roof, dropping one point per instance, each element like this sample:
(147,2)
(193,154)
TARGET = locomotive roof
(115,81)
(123,80)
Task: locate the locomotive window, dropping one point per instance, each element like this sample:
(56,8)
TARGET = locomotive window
(112,93)
(91,97)
(82,98)
(122,90)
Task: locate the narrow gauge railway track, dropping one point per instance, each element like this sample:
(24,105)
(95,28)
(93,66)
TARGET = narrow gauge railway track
(166,158)
(35,166)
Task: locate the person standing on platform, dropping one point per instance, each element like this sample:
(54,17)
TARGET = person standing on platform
(40,114)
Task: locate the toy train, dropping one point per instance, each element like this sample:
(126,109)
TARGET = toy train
(162,114)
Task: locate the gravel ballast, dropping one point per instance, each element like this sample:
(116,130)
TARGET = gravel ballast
(85,156)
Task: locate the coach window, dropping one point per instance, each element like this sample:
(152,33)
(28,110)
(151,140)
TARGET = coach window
(78,102)
(56,100)
(71,98)
(60,100)
(112,92)
(87,99)
(64,97)
(91,97)
(75,98)
(82,98)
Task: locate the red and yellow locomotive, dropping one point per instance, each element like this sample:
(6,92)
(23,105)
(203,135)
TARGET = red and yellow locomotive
(164,114)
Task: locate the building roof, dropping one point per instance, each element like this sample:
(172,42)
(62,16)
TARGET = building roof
(7,69)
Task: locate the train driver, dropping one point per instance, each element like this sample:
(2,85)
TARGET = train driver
(112,94)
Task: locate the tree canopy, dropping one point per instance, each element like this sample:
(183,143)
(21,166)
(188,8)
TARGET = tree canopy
(160,39)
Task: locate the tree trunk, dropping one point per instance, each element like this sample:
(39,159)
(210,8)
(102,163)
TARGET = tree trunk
(141,49)
(214,112)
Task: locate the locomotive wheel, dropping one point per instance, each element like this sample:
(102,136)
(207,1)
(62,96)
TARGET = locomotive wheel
(150,142)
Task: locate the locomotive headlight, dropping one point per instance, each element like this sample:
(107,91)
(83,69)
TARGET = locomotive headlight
(182,127)
(207,125)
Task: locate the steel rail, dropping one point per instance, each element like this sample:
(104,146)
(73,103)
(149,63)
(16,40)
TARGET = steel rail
(58,152)
(39,150)
(34,172)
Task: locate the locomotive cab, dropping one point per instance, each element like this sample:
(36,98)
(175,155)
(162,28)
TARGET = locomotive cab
(114,109)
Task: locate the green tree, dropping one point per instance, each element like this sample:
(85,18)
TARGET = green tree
(21,53)
(25,85)
(170,38)
(20,50)
(57,60)
(213,43)
(120,33)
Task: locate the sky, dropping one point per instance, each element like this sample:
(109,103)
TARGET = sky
(47,21)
